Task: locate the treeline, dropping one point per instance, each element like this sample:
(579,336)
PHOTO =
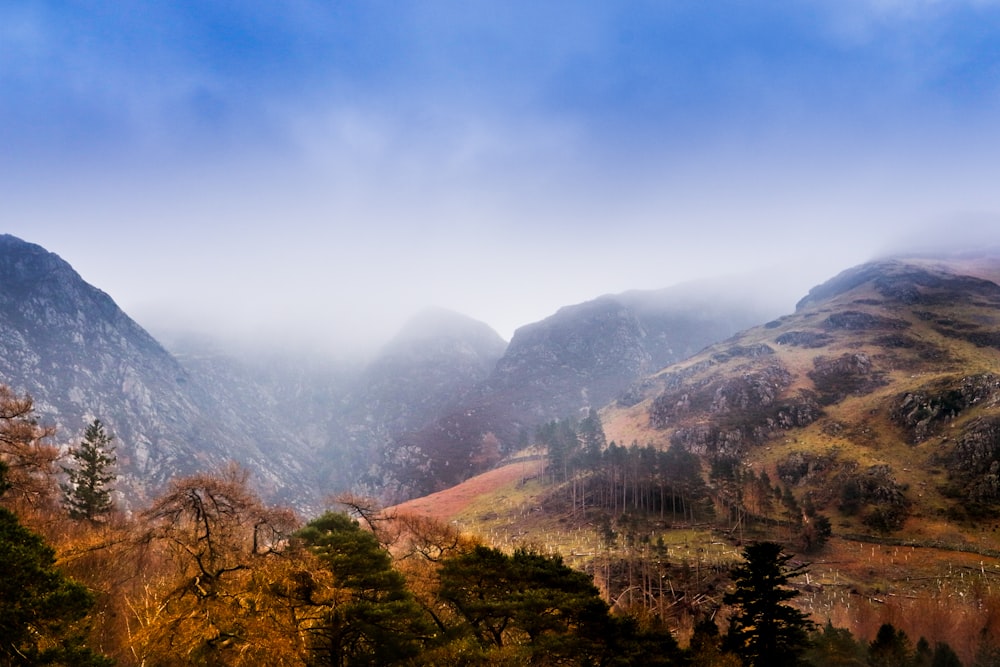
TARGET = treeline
(617,479)
(670,485)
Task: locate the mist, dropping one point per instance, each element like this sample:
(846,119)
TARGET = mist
(314,176)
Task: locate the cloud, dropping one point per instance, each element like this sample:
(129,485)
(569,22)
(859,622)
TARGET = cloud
(338,166)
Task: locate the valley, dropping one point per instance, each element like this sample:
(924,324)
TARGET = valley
(640,438)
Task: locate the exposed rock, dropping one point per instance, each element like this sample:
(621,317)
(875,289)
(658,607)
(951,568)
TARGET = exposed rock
(974,463)
(903,283)
(856,320)
(847,375)
(745,410)
(923,411)
(875,492)
(80,357)
(744,352)
(807,339)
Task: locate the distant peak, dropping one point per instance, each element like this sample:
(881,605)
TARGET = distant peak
(433,322)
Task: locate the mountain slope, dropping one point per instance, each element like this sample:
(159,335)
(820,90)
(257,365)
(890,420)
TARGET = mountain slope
(79,356)
(436,358)
(428,367)
(878,398)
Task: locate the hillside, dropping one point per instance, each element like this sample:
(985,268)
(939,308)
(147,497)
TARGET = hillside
(878,397)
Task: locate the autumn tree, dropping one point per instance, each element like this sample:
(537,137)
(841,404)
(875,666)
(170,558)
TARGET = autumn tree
(27,454)
(215,549)
(87,495)
(764,630)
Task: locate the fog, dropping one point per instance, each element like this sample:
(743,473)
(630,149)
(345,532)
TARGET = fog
(316,176)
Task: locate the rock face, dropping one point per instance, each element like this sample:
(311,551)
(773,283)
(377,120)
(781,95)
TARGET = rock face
(79,356)
(586,355)
(430,365)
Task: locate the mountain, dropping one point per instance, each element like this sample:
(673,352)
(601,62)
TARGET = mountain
(429,366)
(69,346)
(878,399)
(444,398)
(434,360)
(582,356)
(585,355)
(342,411)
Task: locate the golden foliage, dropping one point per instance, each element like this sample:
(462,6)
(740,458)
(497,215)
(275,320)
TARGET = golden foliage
(30,460)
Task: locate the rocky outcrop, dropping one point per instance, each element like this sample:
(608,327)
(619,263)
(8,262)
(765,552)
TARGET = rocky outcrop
(736,411)
(807,339)
(904,283)
(851,374)
(856,320)
(923,411)
(974,462)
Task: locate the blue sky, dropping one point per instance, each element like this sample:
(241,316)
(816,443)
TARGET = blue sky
(324,169)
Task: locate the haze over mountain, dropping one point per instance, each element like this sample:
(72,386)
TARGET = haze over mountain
(304,425)
(224,167)
(581,357)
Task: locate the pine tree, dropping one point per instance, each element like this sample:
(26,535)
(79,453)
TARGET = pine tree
(372,619)
(890,648)
(88,493)
(764,630)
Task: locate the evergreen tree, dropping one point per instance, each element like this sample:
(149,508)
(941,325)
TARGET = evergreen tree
(372,619)
(836,647)
(38,605)
(945,656)
(592,439)
(890,648)
(534,609)
(764,630)
(88,493)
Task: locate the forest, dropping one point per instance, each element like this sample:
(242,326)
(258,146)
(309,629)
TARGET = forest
(209,574)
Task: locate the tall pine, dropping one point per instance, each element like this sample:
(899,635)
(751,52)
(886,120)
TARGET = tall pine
(764,631)
(88,493)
